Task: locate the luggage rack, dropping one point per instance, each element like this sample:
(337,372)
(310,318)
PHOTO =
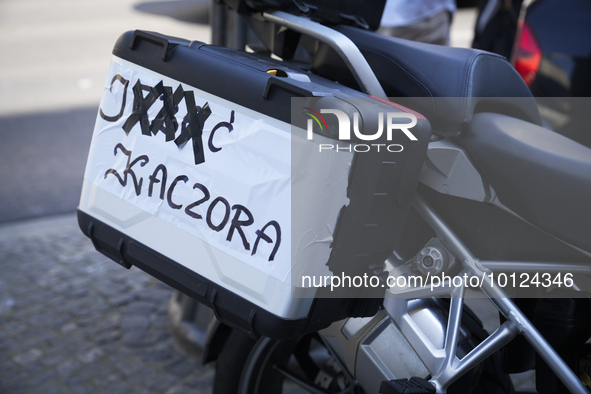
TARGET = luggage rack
(348,51)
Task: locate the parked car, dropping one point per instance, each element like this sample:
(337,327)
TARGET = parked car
(551,50)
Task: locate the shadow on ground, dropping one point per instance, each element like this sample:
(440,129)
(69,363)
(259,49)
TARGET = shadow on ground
(193,11)
(42,160)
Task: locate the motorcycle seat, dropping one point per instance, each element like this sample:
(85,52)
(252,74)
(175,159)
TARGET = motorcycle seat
(541,175)
(426,75)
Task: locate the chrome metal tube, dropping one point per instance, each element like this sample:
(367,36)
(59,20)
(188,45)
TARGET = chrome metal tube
(500,300)
(499,338)
(537,266)
(346,49)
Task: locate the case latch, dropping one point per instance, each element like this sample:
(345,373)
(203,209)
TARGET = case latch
(166,42)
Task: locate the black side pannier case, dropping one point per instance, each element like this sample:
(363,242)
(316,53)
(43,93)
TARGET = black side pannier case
(245,183)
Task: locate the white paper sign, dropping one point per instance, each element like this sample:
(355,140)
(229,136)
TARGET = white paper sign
(211,167)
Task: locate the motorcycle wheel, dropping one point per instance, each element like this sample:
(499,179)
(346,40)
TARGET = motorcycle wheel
(296,366)
(306,365)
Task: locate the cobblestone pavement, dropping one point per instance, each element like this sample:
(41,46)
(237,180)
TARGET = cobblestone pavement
(73,321)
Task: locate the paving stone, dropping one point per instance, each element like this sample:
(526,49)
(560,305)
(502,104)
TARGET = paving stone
(52,361)
(140,390)
(139,338)
(110,288)
(107,336)
(131,367)
(28,357)
(160,322)
(39,379)
(181,368)
(116,388)
(49,388)
(140,377)
(162,308)
(77,379)
(156,294)
(7,366)
(108,379)
(7,344)
(120,299)
(7,304)
(108,322)
(49,319)
(87,321)
(153,354)
(163,336)
(160,383)
(177,389)
(66,367)
(82,311)
(68,327)
(76,343)
(72,321)
(134,323)
(141,308)
(91,355)
(13,381)
(78,292)
(14,326)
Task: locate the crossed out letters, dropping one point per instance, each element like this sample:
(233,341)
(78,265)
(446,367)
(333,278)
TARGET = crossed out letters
(165,121)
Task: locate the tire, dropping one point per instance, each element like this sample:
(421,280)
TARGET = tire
(246,366)
(231,361)
(264,370)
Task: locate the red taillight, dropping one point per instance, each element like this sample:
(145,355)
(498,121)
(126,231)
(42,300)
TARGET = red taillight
(527,55)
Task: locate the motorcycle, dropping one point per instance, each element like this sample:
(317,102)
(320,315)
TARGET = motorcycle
(357,354)
(500,208)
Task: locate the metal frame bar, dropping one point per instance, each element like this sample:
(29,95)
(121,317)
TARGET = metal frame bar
(536,266)
(443,364)
(346,49)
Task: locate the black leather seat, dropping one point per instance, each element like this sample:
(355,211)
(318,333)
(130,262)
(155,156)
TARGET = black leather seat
(425,75)
(541,175)
(537,173)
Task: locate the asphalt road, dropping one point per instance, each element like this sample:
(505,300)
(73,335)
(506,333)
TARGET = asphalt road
(42,158)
